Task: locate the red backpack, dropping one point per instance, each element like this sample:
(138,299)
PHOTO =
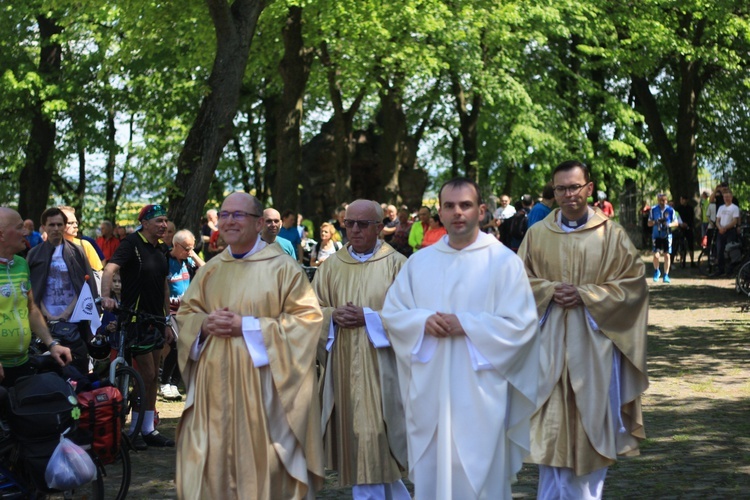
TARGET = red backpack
(100,416)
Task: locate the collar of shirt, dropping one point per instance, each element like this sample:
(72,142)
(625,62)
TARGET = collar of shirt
(568,225)
(259,245)
(362,257)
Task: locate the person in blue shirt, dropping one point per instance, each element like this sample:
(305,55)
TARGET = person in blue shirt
(662,219)
(289,232)
(183,262)
(542,209)
(33,238)
(270,231)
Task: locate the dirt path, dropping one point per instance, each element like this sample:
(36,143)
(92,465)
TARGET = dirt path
(697,409)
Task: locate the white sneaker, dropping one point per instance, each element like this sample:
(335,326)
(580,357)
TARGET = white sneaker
(166,391)
(176,393)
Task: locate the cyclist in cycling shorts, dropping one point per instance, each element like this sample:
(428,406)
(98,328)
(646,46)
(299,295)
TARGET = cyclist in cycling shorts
(142,263)
(18,315)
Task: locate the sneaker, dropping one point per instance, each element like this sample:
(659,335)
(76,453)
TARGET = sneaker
(657,273)
(138,443)
(170,392)
(155,439)
(165,391)
(666,279)
(176,393)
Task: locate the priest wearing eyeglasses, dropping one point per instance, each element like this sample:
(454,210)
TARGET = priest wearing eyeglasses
(251,424)
(591,296)
(363,416)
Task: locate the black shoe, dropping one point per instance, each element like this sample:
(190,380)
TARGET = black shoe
(157,440)
(138,442)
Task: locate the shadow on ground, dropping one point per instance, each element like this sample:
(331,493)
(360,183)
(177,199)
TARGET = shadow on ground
(688,296)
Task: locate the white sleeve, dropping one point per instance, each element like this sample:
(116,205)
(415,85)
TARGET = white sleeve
(254,341)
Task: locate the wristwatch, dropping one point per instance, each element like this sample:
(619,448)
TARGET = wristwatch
(53,344)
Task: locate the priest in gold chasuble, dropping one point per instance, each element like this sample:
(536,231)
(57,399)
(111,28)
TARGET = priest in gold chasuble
(249,326)
(363,416)
(592,298)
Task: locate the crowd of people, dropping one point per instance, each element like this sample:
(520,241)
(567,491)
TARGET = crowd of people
(450,347)
(667,225)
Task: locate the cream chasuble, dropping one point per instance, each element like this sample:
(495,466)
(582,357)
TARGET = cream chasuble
(575,426)
(363,416)
(468,399)
(233,437)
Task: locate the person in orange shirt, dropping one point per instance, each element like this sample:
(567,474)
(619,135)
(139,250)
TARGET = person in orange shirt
(108,242)
(435,231)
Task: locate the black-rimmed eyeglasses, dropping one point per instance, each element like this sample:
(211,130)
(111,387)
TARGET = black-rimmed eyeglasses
(571,190)
(236,215)
(362,224)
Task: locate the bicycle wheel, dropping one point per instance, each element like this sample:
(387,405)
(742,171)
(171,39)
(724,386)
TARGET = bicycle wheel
(130,385)
(742,282)
(118,474)
(706,263)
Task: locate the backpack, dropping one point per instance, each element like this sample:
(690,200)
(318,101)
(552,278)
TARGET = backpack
(518,225)
(100,421)
(41,408)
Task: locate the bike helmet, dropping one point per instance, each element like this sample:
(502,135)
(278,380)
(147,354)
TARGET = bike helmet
(99,347)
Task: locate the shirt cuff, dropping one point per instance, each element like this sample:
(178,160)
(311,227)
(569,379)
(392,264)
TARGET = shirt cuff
(375,330)
(331,335)
(197,348)
(254,340)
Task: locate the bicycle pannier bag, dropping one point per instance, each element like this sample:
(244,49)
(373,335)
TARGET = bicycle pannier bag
(41,406)
(100,416)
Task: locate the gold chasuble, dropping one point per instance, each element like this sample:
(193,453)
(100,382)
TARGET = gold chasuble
(579,424)
(250,432)
(363,415)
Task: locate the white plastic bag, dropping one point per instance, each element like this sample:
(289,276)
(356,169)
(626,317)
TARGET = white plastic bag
(69,467)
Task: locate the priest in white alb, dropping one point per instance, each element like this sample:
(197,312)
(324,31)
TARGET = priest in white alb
(463,324)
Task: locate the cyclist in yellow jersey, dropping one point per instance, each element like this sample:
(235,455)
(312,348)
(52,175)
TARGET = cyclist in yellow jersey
(19,317)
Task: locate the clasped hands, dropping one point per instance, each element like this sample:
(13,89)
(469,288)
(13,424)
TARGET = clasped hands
(222,323)
(567,296)
(443,325)
(349,316)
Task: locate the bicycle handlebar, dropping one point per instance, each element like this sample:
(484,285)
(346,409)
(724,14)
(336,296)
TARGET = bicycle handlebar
(121,311)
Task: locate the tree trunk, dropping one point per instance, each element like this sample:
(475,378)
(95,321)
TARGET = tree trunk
(110,204)
(271,113)
(36,175)
(680,162)
(392,121)
(235,26)
(295,70)
(342,130)
(468,126)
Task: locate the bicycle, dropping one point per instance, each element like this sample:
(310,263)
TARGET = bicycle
(17,478)
(707,258)
(130,384)
(742,280)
